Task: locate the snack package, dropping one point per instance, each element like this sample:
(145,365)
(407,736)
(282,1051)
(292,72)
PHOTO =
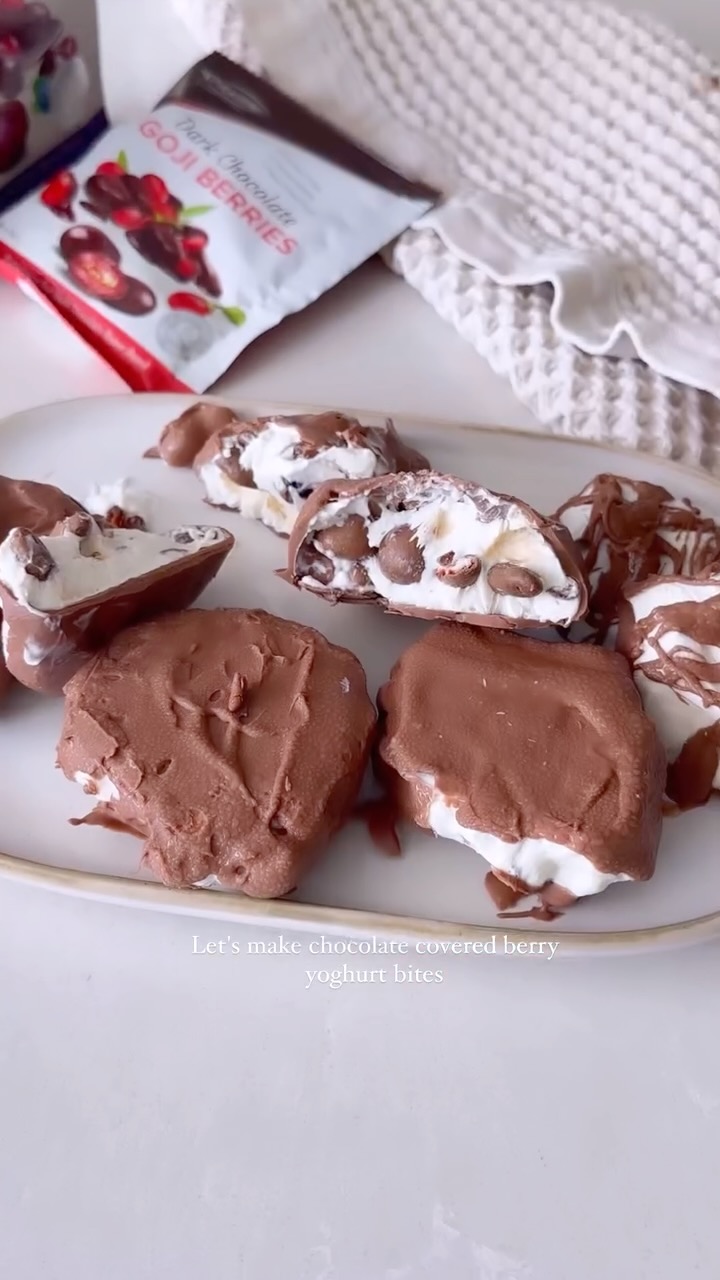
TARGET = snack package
(50,94)
(178,240)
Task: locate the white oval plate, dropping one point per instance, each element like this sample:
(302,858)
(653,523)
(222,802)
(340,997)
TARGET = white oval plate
(436,889)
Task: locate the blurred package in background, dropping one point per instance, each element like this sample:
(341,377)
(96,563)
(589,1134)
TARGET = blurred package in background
(51,106)
(179,238)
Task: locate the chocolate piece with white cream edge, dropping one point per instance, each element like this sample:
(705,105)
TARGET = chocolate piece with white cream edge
(66,594)
(265,469)
(536,755)
(38,508)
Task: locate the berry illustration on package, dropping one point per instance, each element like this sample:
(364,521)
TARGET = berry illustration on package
(58,194)
(155,221)
(168,289)
(93,265)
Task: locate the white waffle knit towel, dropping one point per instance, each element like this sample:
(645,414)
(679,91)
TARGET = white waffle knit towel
(581,147)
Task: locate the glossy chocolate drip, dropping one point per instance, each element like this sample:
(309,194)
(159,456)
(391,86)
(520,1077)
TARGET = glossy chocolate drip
(678,664)
(626,539)
(691,777)
(675,663)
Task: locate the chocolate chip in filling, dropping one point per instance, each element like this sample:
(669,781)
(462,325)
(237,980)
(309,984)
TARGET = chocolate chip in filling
(514,580)
(359,576)
(348,540)
(400,557)
(313,564)
(32,554)
(458,571)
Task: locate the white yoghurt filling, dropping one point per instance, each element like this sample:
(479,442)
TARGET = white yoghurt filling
(277,473)
(448,521)
(534,861)
(84,567)
(676,713)
(253,504)
(119,493)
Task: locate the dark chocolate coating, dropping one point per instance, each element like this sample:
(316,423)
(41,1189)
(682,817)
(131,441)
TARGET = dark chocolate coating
(138,300)
(160,244)
(80,239)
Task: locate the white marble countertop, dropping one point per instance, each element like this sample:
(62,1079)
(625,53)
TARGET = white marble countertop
(167,1113)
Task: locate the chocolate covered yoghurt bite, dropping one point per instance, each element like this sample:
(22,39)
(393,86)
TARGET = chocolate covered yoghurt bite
(436,546)
(266,467)
(66,594)
(536,755)
(232,741)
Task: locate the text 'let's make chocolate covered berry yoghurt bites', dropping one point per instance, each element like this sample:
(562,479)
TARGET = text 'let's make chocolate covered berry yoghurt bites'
(175,242)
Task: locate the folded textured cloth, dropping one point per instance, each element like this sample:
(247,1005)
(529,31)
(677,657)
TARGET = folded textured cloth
(578,146)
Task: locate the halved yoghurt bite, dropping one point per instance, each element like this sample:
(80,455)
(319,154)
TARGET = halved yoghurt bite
(536,755)
(436,546)
(629,530)
(670,632)
(66,594)
(265,469)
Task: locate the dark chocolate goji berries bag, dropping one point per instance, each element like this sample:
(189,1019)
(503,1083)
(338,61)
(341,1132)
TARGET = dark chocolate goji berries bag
(175,242)
(50,93)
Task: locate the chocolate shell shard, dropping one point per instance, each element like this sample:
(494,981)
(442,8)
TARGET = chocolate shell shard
(25,504)
(670,632)
(65,595)
(265,469)
(629,530)
(438,547)
(536,755)
(235,742)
